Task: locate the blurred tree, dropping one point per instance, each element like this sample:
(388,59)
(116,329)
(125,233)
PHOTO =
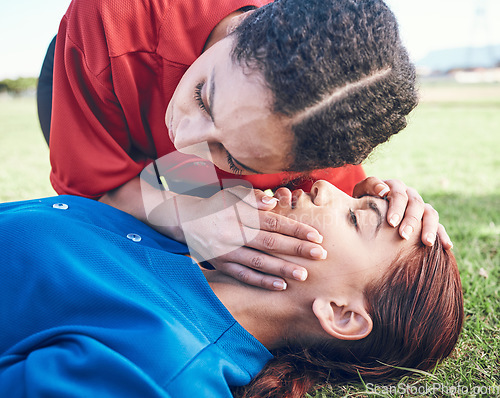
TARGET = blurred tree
(19,85)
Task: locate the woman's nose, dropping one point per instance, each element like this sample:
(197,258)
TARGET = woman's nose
(323,192)
(318,192)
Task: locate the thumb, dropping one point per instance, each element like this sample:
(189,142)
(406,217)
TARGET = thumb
(254,197)
(371,186)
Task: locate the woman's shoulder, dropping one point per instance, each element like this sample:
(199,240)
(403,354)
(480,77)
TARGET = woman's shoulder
(48,220)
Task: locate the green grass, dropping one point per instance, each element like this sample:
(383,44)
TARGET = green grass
(24,155)
(450,152)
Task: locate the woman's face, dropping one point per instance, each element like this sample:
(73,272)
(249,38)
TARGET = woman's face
(220,103)
(360,243)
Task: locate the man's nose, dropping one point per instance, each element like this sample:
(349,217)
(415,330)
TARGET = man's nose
(189,133)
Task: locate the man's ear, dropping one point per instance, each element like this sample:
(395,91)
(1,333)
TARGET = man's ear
(236,20)
(225,27)
(343,321)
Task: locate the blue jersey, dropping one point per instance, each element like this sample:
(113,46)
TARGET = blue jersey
(95,303)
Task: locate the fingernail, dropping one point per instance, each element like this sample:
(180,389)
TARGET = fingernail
(450,243)
(384,190)
(314,237)
(394,220)
(318,253)
(279,285)
(300,275)
(430,238)
(407,231)
(267,200)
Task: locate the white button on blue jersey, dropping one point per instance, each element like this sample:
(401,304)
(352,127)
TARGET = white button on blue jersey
(134,237)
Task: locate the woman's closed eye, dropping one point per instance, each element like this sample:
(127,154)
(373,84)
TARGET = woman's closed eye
(371,217)
(353,218)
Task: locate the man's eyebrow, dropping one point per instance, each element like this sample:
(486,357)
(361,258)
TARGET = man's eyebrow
(373,206)
(243,166)
(211,93)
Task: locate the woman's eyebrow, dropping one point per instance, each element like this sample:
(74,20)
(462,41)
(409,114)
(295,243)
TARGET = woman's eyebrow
(211,93)
(380,219)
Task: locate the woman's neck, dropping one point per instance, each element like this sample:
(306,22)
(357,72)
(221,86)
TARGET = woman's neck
(270,316)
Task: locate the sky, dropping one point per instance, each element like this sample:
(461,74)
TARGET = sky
(27,27)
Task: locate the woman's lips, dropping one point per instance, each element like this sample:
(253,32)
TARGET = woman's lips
(296,194)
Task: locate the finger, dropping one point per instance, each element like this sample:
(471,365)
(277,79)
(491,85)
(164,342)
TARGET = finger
(398,200)
(430,225)
(284,195)
(445,239)
(253,197)
(266,263)
(271,242)
(251,277)
(371,186)
(413,215)
(273,222)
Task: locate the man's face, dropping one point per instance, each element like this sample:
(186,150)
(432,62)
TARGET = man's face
(229,108)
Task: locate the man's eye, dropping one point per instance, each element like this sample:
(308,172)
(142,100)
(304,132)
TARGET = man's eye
(235,169)
(197,97)
(354,220)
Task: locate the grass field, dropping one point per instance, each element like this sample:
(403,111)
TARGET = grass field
(24,155)
(450,152)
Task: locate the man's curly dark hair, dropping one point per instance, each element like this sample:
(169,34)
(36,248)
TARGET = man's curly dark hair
(337,69)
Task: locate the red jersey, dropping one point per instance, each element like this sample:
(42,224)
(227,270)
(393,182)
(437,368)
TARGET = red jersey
(116,67)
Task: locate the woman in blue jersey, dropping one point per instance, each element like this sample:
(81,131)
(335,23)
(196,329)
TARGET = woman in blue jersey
(96,303)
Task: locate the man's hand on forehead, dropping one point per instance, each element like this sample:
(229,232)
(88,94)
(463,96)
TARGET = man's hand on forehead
(407,210)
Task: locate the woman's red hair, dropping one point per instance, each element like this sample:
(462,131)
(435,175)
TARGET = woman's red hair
(417,312)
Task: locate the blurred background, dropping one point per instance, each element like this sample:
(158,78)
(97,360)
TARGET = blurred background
(443,37)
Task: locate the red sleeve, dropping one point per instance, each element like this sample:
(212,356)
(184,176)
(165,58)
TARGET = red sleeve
(90,144)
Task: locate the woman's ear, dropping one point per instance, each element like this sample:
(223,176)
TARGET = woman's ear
(343,321)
